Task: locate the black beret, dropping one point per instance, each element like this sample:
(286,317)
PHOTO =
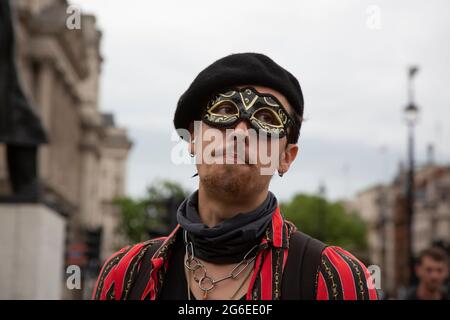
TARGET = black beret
(233,70)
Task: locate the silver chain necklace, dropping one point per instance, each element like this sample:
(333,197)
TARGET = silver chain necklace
(205,282)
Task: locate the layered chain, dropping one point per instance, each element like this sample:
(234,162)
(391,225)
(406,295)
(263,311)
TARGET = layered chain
(204,281)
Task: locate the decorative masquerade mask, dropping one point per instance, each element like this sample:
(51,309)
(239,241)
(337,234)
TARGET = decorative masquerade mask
(263,111)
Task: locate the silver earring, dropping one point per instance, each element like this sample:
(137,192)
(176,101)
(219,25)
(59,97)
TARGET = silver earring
(192,154)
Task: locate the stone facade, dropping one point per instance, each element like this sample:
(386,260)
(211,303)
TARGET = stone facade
(383,207)
(83,167)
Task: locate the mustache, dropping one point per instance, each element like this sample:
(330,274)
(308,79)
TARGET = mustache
(232,149)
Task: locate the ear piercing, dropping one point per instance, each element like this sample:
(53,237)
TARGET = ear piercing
(192,154)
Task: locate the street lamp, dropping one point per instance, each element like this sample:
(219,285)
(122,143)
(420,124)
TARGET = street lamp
(411,113)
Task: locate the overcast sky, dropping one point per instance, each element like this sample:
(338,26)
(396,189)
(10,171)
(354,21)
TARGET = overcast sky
(350,57)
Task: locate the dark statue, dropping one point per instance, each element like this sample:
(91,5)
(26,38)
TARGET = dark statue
(20,127)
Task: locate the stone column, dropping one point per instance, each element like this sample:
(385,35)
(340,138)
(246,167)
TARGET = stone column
(89,175)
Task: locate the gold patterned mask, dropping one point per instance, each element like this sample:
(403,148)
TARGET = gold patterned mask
(263,111)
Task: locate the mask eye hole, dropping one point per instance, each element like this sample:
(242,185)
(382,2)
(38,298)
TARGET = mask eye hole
(268,116)
(225,108)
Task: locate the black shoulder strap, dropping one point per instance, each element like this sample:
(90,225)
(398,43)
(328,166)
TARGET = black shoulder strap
(143,275)
(299,276)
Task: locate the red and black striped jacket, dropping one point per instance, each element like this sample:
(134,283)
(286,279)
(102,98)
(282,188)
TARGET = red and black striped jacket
(339,275)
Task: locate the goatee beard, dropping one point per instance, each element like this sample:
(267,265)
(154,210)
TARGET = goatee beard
(231,184)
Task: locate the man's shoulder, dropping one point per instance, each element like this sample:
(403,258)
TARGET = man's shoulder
(121,265)
(338,273)
(342,276)
(338,257)
(137,249)
(341,259)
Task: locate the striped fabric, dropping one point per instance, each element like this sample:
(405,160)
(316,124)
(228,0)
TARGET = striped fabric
(340,275)
(343,277)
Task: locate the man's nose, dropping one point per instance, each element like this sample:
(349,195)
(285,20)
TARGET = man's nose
(241,131)
(242,125)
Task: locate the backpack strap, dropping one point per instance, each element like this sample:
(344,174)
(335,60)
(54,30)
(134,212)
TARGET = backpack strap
(303,261)
(143,275)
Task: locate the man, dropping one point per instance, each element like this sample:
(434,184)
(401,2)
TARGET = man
(432,272)
(232,241)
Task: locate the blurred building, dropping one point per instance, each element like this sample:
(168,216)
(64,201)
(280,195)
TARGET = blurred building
(83,167)
(383,207)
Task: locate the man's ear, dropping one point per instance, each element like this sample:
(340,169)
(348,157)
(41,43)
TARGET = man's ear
(287,157)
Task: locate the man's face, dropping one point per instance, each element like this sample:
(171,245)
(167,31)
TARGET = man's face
(242,161)
(432,273)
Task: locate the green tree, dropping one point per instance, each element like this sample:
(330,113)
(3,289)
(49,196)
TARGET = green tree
(138,217)
(326,221)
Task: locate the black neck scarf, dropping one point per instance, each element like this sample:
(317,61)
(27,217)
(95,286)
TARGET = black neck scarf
(231,239)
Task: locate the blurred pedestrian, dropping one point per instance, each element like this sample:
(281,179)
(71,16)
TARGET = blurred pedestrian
(432,272)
